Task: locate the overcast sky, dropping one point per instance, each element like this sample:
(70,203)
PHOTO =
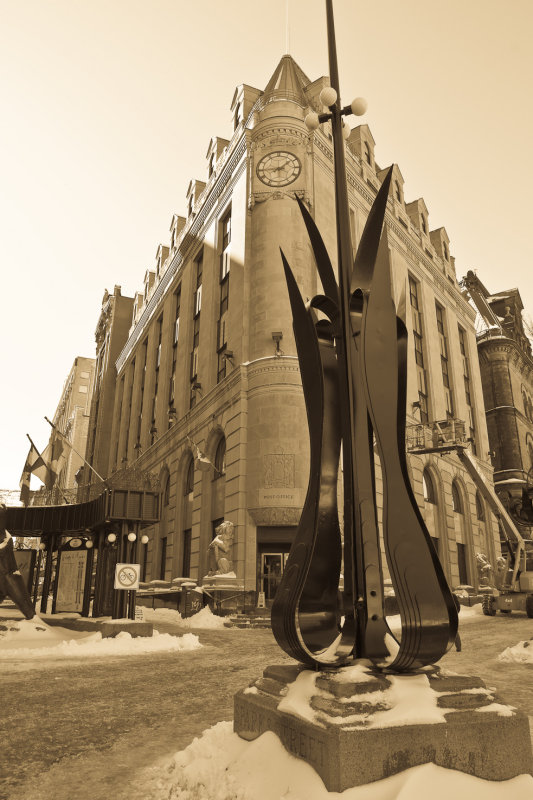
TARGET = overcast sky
(109,106)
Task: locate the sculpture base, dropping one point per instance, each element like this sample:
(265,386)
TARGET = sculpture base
(355,727)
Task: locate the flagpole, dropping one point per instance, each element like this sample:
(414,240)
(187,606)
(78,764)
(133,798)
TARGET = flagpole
(56,429)
(65,498)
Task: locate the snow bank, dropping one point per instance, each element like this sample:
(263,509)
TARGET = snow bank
(521,653)
(203,619)
(221,766)
(33,639)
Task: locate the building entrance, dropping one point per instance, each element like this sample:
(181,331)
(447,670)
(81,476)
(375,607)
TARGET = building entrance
(273,546)
(272,566)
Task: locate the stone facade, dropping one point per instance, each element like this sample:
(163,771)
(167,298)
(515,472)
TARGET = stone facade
(72,419)
(209,376)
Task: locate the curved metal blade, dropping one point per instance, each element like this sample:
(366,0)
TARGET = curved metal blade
(429,616)
(305,612)
(368,246)
(323,263)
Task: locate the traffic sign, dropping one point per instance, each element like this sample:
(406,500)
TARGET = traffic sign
(127,576)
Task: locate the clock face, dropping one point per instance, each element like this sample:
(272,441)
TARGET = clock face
(278,169)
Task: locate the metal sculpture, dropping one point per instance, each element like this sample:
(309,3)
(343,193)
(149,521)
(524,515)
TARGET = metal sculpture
(12,583)
(352,349)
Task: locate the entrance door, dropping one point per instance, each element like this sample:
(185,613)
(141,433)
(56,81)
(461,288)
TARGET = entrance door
(272,566)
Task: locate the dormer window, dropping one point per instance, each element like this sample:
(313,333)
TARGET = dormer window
(423,224)
(189,210)
(368,154)
(445,250)
(211,165)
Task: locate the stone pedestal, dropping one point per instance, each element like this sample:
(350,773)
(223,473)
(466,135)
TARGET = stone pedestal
(355,727)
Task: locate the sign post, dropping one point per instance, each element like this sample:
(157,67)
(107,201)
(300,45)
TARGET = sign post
(127,577)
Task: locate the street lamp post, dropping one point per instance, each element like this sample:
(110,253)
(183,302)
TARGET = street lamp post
(353,368)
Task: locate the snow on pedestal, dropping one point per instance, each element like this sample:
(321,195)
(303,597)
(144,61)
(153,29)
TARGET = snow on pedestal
(355,726)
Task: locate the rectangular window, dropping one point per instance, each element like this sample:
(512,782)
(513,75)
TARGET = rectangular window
(445,367)
(177,305)
(199,264)
(163,558)
(196,327)
(127,436)
(418,340)
(461,562)
(468,390)
(186,564)
(225,239)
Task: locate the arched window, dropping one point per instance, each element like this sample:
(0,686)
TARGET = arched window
(166,491)
(457,503)
(480,509)
(428,488)
(220,459)
(189,479)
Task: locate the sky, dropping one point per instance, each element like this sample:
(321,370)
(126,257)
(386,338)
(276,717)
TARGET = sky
(109,107)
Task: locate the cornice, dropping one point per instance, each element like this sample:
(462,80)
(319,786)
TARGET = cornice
(507,346)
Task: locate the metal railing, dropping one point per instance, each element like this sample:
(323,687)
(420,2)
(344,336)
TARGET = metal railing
(440,435)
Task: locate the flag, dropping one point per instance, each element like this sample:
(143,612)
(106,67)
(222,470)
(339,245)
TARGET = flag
(24,483)
(49,464)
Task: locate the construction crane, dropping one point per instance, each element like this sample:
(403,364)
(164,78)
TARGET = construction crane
(516,590)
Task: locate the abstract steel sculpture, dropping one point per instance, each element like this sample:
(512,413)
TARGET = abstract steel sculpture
(12,583)
(352,349)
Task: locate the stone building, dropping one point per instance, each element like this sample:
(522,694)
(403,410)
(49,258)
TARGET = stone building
(111,334)
(208,392)
(506,365)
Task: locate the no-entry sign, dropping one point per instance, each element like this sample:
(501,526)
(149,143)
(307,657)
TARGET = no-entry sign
(127,576)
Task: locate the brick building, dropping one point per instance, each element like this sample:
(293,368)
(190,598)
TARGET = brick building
(209,367)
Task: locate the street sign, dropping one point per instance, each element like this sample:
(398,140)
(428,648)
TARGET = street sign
(127,576)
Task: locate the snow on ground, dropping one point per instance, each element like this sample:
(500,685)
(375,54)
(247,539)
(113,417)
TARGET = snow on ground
(33,639)
(203,619)
(521,653)
(466,614)
(221,766)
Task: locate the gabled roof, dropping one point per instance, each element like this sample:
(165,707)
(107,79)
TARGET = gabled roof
(287,80)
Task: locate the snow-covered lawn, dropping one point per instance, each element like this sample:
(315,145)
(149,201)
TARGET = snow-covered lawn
(203,619)
(221,766)
(34,639)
